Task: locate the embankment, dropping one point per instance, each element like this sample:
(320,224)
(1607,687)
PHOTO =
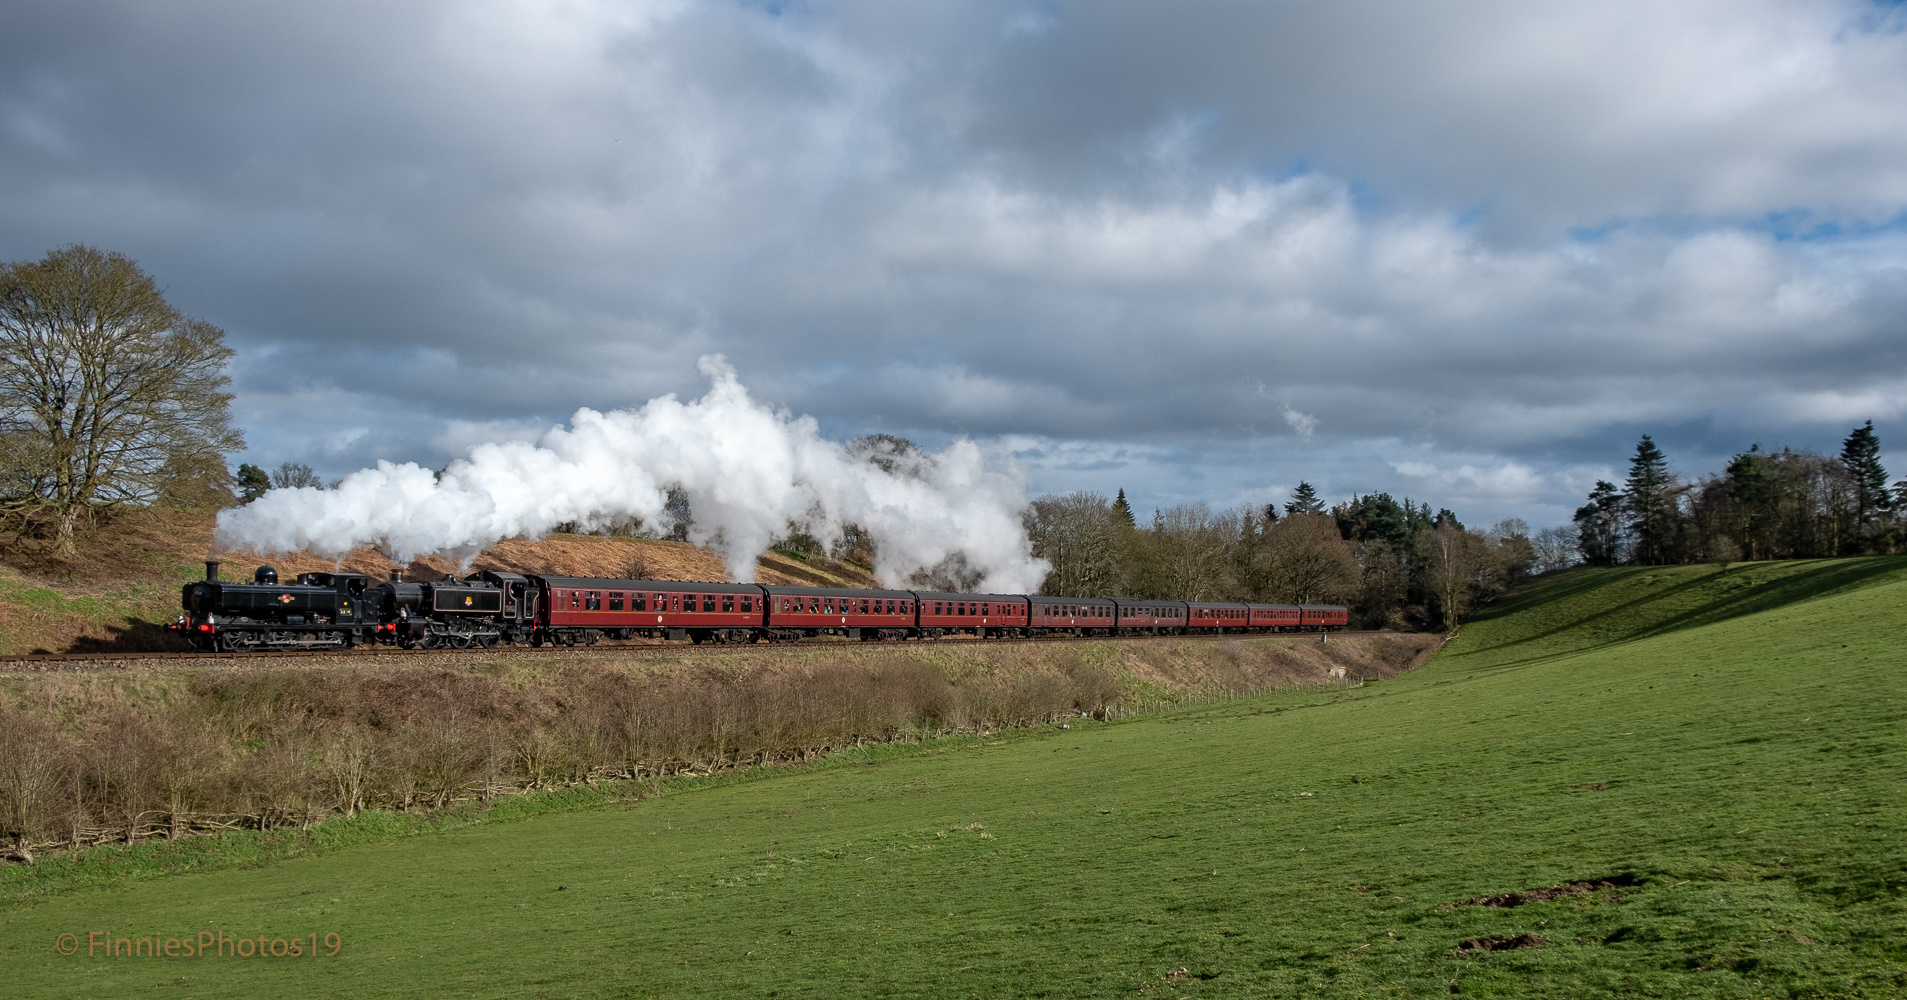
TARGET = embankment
(147,751)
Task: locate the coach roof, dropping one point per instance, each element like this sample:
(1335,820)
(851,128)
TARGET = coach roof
(598,583)
(835,592)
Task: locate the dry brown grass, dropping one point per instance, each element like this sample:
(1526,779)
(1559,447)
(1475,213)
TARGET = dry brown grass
(165,751)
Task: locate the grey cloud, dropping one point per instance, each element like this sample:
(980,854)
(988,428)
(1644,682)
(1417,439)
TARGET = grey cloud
(1504,237)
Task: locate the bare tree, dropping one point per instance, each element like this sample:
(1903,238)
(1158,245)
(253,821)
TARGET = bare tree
(1443,559)
(1186,554)
(1310,561)
(295,475)
(1081,535)
(1555,548)
(107,394)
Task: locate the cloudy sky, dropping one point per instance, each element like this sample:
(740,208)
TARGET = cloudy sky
(1197,250)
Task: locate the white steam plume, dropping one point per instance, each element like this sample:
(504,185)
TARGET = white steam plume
(748,472)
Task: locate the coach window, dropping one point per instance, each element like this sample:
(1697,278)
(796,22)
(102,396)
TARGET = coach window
(708,602)
(575,600)
(638,602)
(748,604)
(728,603)
(615,601)
(594,602)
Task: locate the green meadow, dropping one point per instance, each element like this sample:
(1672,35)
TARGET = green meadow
(1725,750)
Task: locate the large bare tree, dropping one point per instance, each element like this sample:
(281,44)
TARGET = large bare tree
(107,394)
(1084,540)
(1310,561)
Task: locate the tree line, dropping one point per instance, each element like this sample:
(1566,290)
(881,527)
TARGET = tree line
(1763,505)
(1394,563)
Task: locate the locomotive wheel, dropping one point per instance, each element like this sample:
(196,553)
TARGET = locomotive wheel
(489,642)
(459,641)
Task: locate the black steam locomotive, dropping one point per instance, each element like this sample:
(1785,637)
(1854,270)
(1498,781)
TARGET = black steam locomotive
(342,610)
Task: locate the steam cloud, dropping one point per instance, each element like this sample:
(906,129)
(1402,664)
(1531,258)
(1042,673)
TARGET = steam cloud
(747,470)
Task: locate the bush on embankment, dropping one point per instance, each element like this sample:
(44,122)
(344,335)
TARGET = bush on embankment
(105,756)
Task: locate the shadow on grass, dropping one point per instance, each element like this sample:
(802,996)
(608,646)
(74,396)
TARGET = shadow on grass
(136,636)
(1822,578)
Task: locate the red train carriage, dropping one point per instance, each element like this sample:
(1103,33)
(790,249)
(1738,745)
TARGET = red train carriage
(583,609)
(982,615)
(1071,615)
(1214,616)
(1274,617)
(797,612)
(1323,617)
(1138,617)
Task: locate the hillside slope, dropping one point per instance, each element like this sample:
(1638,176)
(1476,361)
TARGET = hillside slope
(1609,786)
(122,588)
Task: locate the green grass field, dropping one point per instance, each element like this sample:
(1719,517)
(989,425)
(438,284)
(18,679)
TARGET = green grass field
(1726,750)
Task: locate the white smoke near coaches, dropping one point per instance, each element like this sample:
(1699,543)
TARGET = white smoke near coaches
(747,470)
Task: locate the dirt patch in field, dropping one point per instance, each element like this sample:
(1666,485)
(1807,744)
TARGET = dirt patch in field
(1509,899)
(1475,945)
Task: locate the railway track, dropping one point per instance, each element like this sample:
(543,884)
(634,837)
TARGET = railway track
(77,662)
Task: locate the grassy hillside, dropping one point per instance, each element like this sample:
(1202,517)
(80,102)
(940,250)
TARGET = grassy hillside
(1618,783)
(121,588)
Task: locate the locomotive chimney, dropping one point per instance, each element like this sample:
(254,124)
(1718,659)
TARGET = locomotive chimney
(397,576)
(211,571)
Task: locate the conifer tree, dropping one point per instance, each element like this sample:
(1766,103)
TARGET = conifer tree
(252,482)
(1304,500)
(1599,526)
(1649,495)
(1861,453)
(1123,510)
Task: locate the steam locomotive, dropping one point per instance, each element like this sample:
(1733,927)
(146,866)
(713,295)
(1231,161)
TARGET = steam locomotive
(342,610)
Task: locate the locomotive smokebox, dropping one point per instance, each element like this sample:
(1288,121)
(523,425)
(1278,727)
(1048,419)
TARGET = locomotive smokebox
(211,571)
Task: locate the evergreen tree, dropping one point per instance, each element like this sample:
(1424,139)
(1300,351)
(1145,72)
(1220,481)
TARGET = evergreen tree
(1123,510)
(1649,496)
(1271,513)
(1304,500)
(252,482)
(1599,526)
(1861,453)
(1376,516)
